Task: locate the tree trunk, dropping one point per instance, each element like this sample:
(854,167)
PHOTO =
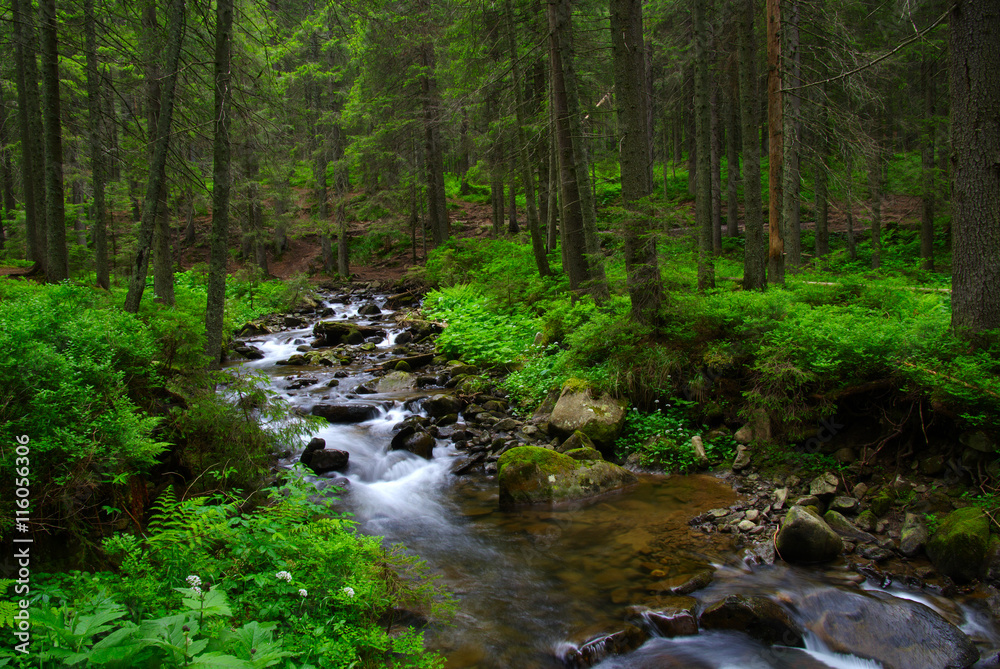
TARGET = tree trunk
(822,175)
(521,151)
(431,98)
(29,120)
(928,168)
(57,266)
(155,186)
(732,159)
(97,166)
(340,189)
(716,154)
(552,221)
(571,228)
(852,247)
(222,180)
(776,242)
(975,98)
(632,102)
(703,130)
(755,254)
(791,141)
(875,191)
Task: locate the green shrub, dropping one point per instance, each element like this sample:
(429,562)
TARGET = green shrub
(662,438)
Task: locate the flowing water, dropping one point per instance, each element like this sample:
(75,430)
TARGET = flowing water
(533,584)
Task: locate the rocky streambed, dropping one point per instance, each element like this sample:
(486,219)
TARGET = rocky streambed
(560,557)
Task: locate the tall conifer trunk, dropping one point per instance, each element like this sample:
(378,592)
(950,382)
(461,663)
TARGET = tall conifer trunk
(703,130)
(57,266)
(776,242)
(96,144)
(755,254)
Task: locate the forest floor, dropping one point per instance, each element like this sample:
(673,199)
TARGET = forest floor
(473,220)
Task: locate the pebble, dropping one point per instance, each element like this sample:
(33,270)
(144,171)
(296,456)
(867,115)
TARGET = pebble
(752,514)
(746,525)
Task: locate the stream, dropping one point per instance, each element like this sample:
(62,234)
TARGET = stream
(533,585)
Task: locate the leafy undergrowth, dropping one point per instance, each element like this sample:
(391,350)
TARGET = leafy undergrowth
(290,585)
(662,439)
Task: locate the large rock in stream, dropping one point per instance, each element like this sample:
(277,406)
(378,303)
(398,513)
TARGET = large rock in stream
(958,548)
(334,333)
(898,633)
(805,538)
(354,412)
(600,418)
(529,475)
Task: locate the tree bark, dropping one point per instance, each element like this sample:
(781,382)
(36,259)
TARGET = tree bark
(974,83)
(155,185)
(571,220)
(755,253)
(57,266)
(927,163)
(791,141)
(776,242)
(97,166)
(222,180)
(431,98)
(716,152)
(703,130)
(822,176)
(852,247)
(29,120)
(632,103)
(732,159)
(521,152)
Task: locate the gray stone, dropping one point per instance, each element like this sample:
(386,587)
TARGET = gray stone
(746,525)
(845,528)
(866,521)
(824,485)
(346,413)
(859,491)
(894,632)
(874,553)
(756,616)
(913,535)
(742,459)
(506,425)
(977,440)
(744,435)
(699,451)
(780,495)
(958,547)
(752,514)
(442,405)
(847,505)
(805,538)
(845,455)
(600,418)
(395,382)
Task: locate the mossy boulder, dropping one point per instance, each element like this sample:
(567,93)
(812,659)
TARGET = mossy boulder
(396,382)
(584,454)
(530,475)
(599,417)
(805,538)
(756,616)
(958,548)
(576,440)
(333,333)
(881,503)
(913,535)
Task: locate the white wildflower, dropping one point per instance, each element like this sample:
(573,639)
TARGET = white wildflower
(303,592)
(197,590)
(193,581)
(349,591)
(284,576)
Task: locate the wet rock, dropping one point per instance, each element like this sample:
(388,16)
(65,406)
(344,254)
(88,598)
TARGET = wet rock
(845,505)
(913,535)
(584,454)
(459,368)
(297,360)
(404,338)
(529,474)
(370,309)
(333,333)
(249,352)
(780,495)
(742,459)
(346,413)
(441,405)
(758,617)
(687,585)
(958,547)
(670,621)
(364,390)
(600,418)
(809,500)
(294,322)
(897,633)
(602,647)
(415,441)
(873,552)
(846,529)
(506,425)
(424,381)
(302,382)
(845,455)
(327,460)
(805,538)
(746,525)
(412,361)
(859,491)
(395,382)
(866,521)
(574,441)
(824,486)
(881,503)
